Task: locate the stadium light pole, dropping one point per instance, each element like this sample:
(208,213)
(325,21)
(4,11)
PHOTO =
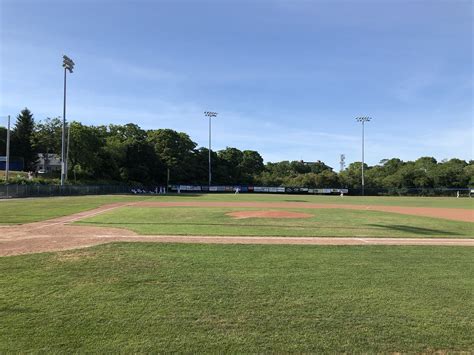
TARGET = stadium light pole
(67,150)
(363,120)
(210,114)
(68,65)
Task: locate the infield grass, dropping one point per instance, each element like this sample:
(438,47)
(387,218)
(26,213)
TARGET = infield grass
(37,209)
(131,297)
(323,223)
(435,202)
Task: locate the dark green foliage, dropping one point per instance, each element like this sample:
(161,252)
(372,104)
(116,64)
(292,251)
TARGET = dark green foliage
(47,136)
(3,140)
(176,150)
(127,153)
(22,139)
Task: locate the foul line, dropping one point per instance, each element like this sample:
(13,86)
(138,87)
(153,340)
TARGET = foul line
(84,215)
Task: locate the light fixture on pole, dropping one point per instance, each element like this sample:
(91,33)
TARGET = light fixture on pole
(68,65)
(210,114)
(363,120)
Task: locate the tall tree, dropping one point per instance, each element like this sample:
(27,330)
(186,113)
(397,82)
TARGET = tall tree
(318,167)
(451,173)
(3,140)
(351,177)
(130,156)
(22,139)
(228,169)
(252,165)
(47,139)
(469,173)
(47,136)
(175,150)
(86,150)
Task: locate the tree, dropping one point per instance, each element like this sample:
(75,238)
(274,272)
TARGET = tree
(198,170)
(327,179)
(3,141)
(391,165)
(251,165)
(47,138)
(318,167)
(469,173)
(280,169)
(130,156)
(86,156)
(450,173)
(229,167)
(175,150)
(22,139)
(351,177)
(299,167)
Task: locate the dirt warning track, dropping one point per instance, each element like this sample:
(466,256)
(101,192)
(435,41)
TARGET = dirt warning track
(58,234)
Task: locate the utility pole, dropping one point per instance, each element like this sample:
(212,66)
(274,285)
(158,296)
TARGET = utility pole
(210,115)
(7,166)
(363,120)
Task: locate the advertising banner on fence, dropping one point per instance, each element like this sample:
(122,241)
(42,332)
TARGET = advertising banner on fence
(257,189)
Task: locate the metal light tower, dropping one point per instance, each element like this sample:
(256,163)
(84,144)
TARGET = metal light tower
(342,163)
(210,114)
(68,65)
(363,120)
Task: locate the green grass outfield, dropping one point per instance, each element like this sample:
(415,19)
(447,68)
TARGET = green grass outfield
(132,297)
(323,223)
(37,209)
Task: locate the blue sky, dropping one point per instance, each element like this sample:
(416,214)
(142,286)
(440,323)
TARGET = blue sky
(287,77)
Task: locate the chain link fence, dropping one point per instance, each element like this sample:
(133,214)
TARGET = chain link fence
(16,191)
(405,191)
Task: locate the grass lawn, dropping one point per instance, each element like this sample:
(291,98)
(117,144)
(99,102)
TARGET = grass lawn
(13,173)
(38,209)
(330,222)
(132,297)
(435,202)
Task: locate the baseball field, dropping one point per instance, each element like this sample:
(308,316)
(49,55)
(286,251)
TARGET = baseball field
(236,273)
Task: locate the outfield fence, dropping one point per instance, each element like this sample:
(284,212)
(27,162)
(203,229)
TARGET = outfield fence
(463,192)
(37,190)
(404,191)
(16,191)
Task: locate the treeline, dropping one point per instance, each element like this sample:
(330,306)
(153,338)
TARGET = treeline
(423,173)
(129,154)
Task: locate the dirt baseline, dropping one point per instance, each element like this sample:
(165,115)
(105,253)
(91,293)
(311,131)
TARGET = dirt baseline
(58,234)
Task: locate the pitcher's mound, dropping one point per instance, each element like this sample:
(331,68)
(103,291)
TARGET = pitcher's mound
(268,214)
